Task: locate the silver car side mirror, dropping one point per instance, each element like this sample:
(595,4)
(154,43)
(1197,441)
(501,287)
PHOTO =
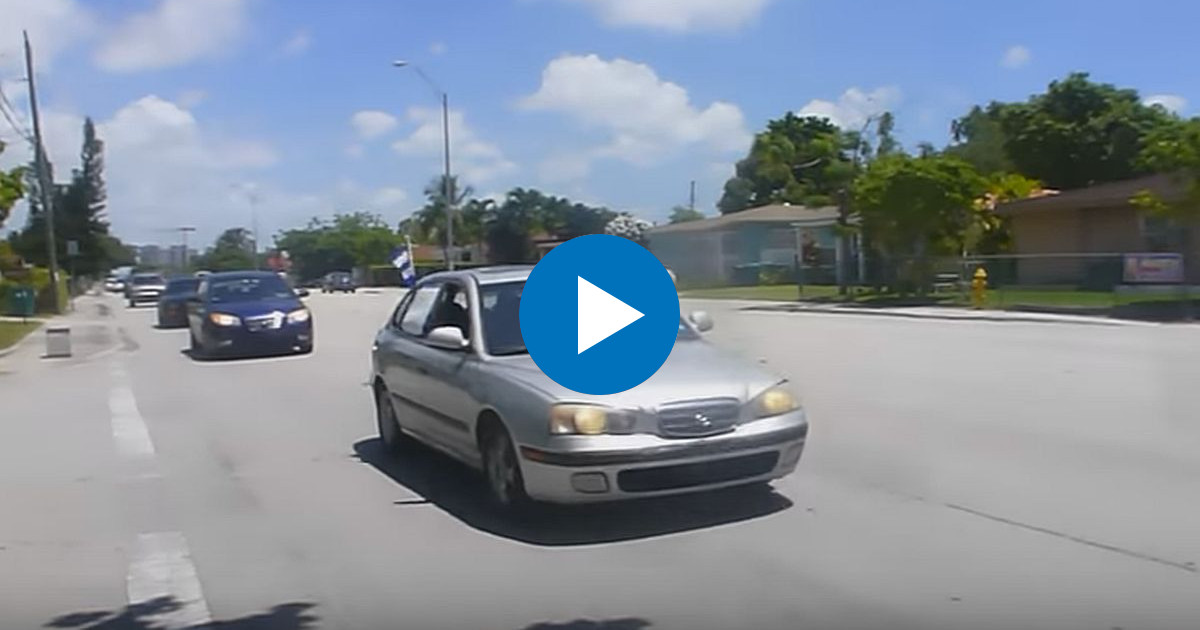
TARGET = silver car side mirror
(447,338)
(701,320)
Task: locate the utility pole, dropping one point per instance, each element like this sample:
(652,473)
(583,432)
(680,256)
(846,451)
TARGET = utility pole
(692,197)
(42,164)
(448,183)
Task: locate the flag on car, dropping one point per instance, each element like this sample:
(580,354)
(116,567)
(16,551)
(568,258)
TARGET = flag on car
(402,260)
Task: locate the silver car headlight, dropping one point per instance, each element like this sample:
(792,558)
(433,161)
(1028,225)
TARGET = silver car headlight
(576,419)
(775,401)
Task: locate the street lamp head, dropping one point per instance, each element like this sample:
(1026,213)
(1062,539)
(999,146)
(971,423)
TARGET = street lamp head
(399,63)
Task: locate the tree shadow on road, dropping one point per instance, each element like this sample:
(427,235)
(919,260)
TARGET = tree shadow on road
(149,615)
(460,491)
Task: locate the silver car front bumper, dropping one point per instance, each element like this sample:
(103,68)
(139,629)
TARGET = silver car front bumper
(614,467)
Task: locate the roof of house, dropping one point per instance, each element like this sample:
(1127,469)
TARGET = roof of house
(1098,196)
(779,213)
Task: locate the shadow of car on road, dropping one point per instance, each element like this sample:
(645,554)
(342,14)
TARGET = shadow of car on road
(459,490)
(240,358)
(625,623)
(148,616)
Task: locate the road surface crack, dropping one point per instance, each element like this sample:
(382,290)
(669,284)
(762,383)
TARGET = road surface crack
(1190,567)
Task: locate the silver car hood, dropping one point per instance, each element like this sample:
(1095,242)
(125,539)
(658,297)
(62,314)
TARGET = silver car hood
(694,369)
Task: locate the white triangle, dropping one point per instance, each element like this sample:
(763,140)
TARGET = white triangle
(601,315)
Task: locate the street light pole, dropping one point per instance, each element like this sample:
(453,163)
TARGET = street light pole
(447,183)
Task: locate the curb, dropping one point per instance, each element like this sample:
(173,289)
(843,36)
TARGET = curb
(1075,319)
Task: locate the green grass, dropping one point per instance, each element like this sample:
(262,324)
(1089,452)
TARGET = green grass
(12,332)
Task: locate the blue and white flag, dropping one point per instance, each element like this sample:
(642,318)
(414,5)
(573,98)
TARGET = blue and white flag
(402,260)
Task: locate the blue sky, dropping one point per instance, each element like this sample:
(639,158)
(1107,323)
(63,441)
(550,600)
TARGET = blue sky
(206,105)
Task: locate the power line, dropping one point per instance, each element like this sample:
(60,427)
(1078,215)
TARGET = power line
(10,114)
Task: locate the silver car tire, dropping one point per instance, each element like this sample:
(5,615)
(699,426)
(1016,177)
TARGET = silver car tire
(391,436)
(506,486)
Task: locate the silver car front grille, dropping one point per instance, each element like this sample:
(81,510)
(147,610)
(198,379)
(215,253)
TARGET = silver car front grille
(698,418)
(263,322)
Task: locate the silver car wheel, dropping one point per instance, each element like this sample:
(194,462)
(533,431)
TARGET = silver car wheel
(504,478)
(385,418)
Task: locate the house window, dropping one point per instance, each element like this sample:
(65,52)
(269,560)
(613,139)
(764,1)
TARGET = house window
(1157,234)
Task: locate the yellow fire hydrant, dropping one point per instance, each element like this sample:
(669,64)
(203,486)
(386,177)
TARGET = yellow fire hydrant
(979,288)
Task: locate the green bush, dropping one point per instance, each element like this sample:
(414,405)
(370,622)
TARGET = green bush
(39,279)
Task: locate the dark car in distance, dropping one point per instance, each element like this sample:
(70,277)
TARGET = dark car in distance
(338,281)
(248,312)
(172,305)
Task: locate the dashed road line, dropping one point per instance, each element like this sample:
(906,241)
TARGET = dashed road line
(129,431)
(162,581)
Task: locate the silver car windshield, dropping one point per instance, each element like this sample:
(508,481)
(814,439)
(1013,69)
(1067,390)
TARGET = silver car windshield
(500,311)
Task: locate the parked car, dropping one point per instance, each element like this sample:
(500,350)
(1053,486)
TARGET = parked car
(338,281)
(113,284)
(248,312)
(172,306)
(450,369)
(144,287)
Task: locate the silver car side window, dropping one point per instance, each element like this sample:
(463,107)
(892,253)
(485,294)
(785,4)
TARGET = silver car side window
(412,322)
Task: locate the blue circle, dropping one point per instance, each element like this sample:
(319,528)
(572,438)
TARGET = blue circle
(550,314)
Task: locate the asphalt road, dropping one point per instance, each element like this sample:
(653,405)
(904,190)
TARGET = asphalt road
(958,475)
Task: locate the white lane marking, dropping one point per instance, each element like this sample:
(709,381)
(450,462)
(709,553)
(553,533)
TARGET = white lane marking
(129,431)
(163,579)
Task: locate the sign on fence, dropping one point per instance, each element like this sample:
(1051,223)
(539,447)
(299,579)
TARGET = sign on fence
(1153,269)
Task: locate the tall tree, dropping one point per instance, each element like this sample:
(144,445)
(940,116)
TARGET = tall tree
(79,214)
(11,189)
(912,208)
(1077,133)
(800,160)
(683,214)
(232,251)
(357,239)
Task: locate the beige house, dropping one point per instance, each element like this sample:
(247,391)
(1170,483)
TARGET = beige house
(1079,237)
(711,251)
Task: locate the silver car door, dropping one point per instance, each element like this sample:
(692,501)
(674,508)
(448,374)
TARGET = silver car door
(400,360)
(446,394)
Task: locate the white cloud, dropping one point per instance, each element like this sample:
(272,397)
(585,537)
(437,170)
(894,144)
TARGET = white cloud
(438,48)
(389,198)
(189,99)
(476,160)
(53,25)
(173,33)
(296,44)
(1016,57)
(648,118)
(1172,102)
(677,15)
(854,106)
(165,169)
(372,123)
(565,167)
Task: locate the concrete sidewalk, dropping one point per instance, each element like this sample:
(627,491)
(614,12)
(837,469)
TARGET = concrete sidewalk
(93,331)
(927,312)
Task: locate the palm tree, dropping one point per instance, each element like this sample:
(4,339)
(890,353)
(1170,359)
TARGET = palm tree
(430,220)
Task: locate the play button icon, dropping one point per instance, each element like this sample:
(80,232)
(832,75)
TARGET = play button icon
(599,314)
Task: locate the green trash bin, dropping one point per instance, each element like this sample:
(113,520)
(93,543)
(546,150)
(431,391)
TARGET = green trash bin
(20,302)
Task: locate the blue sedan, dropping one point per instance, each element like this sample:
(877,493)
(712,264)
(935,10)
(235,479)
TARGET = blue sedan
(248,312)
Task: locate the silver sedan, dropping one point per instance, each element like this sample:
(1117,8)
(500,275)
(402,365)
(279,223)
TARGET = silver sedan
(450,369)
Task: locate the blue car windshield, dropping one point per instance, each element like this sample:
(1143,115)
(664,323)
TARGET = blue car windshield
(182,286)
(248,289)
